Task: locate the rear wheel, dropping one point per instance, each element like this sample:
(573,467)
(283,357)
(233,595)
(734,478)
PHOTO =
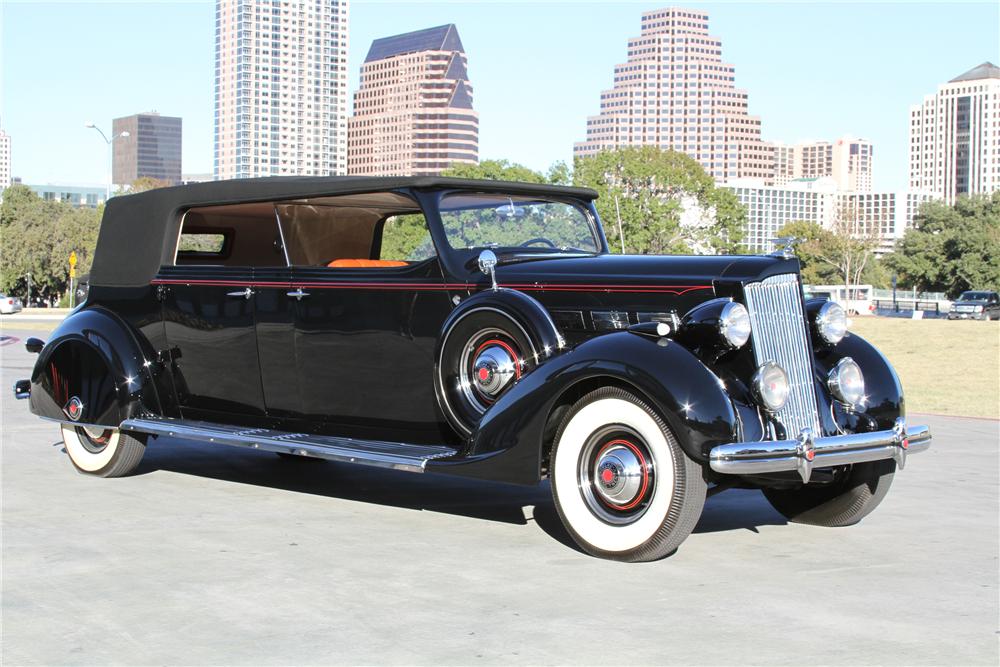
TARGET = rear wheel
(622,485)
(839,503)
(104,452)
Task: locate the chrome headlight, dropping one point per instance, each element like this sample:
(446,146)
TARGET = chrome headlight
(734,324)
(770,383)
(831,322)
(847,382)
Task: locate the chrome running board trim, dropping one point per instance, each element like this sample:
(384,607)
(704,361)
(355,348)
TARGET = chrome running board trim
(806,452)
(393,455)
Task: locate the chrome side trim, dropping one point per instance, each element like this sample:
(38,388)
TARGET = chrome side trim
(393,455)
(807,452)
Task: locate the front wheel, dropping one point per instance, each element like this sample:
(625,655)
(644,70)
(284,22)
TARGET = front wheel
(103,452)
(622,485)
(842,502)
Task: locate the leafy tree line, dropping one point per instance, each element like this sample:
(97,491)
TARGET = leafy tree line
(37,237)
(948,249)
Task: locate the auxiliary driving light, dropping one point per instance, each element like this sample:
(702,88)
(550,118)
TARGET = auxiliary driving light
(831,322)
(734,324)
(770,383)
(847,382)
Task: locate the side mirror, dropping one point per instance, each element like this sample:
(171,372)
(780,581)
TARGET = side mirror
(34,345)
(487,264)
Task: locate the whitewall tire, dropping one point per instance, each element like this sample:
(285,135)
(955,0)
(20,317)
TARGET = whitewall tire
(102,452)
(621,483)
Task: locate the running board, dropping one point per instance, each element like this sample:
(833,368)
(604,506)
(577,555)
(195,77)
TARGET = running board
(394,455)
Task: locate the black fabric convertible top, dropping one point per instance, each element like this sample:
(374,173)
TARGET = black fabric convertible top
(139,232)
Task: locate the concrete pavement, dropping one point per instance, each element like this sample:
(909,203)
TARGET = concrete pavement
(223,556)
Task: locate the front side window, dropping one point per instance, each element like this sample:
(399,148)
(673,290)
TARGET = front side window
(517,222)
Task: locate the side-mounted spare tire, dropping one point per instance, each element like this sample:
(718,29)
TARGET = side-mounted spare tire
(487,344)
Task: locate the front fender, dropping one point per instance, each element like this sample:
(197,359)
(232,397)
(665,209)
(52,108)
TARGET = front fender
(507,445)
(97,357)
(885,393)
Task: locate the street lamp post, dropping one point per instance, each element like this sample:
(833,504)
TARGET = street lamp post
(110,154)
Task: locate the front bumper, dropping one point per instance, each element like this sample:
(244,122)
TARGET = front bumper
(806,452)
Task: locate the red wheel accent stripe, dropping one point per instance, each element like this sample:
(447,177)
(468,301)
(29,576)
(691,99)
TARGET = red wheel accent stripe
(645,472)
(510,351)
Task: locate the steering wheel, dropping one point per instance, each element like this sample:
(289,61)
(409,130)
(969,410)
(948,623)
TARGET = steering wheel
(539,239)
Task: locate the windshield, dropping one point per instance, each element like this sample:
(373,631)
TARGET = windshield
(974,296)
(524,223)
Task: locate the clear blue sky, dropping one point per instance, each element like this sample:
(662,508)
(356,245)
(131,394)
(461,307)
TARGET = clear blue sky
(812,70)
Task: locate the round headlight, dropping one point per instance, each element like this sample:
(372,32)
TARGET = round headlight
(734,324)
(846,382)
(771,385)
(831,322)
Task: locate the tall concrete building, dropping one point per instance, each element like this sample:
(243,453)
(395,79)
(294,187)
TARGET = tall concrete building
(676,92)
(280,88)
(152,148)
(955,136)
(5,167)
(413,112)
(848,161)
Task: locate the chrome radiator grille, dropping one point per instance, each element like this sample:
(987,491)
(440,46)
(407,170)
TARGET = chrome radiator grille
(779,334)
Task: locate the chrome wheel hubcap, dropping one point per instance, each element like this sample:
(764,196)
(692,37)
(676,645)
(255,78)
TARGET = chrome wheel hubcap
(490,363)
(616,475)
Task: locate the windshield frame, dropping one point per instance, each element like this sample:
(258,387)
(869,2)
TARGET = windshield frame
(462,261)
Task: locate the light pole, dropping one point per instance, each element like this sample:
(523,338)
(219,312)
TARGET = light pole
(91,125)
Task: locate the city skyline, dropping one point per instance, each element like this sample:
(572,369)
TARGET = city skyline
(865,90)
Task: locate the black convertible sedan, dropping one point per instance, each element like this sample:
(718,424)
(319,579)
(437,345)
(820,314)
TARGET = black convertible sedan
(476,328)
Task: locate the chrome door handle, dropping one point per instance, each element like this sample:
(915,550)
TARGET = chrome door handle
(245,293)
(298,294)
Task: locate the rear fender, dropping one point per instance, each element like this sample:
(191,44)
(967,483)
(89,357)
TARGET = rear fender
(508,444)
(97,357)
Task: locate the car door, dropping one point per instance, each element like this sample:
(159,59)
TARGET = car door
(366,325)
(209,302)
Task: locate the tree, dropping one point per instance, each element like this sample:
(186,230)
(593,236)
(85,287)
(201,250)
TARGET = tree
(502,170)
(665,200)
(810,245)
(842,254)
(38,237)
(952,248)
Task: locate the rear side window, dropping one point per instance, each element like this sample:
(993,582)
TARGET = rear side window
(202,243)
(406,238)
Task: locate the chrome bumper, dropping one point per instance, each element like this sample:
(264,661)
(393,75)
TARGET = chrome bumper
(807,452)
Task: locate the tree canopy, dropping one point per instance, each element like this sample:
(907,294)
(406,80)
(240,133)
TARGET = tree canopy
(951,248)
(502,170)
(38,237)
(653,190)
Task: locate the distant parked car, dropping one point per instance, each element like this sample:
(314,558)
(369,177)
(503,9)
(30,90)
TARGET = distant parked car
(975,305)
(9,304)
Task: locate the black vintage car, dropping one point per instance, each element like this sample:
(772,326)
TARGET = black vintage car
(473,328)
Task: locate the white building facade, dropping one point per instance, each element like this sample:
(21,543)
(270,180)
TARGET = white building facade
(770,207)
(280,88)
(955,136)
(848,160)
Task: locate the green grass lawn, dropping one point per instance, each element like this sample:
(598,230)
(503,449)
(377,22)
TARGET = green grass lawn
(950,368)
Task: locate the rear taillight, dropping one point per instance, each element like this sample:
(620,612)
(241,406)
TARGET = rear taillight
(10,302)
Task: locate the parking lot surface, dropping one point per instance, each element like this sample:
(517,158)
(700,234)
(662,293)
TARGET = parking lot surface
(215,555)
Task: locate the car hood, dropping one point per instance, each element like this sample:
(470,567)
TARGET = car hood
(970,303)
(624,270)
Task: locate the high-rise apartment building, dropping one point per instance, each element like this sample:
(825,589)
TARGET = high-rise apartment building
(280,87)
(152,148)
(676,92)
(5,168)
(848,161)
(955,136)
(413,111)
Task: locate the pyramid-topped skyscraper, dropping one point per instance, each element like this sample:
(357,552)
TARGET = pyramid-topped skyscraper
(675,91)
